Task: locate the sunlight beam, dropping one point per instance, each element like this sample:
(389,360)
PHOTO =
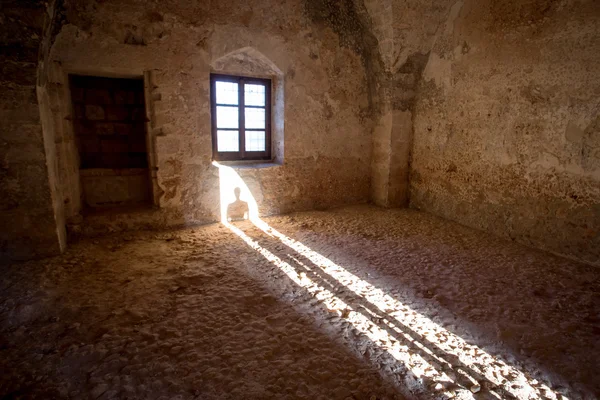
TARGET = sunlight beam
(500,378)
(520,385)
(421,369)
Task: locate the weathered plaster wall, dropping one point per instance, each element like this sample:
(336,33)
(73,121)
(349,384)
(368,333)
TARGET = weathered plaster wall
(176,44)
(507,123)
(30,209)
(405,32)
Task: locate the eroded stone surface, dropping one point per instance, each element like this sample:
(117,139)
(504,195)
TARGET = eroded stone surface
(481,112)
(506,125)
(325,141)
(30,209)
(216,311)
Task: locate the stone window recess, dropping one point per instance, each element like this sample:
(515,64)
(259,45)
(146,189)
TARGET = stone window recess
(109,121)
(241,118)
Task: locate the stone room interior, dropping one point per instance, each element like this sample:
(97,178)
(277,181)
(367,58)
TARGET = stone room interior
(300,199)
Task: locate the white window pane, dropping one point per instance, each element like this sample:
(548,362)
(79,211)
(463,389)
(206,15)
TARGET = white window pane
(254,95)
(227,92)
(255,141)
(255,118)
(227,117)
(228,141)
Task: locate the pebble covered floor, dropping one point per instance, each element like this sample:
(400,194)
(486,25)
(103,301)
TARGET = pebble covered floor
(354,303)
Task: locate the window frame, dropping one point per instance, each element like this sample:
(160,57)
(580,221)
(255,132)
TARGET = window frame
(242,154)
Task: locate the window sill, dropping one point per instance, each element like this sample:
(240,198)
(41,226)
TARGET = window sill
(246,164)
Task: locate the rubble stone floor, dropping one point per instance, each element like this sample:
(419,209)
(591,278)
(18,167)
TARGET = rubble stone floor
(354,303)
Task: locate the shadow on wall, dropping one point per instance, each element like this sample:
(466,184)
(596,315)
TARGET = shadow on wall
(238,210)
(234,195)
(419,356)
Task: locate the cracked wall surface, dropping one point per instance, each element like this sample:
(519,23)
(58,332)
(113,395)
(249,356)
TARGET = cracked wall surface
(176,44)
(507,131)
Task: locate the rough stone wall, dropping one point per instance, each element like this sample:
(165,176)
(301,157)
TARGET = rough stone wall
(405,32)
(507,123)
(30,210)
(174,44)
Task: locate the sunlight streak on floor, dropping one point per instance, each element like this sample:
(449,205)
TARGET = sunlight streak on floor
(471,356)
(446,365)
(358,320)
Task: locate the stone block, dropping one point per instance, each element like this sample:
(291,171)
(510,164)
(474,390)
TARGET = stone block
(25,153)
(21,73)
(19,53)
(15,97)
(17,133)
(168,145)
(34,176)
(27,114)
(161,119)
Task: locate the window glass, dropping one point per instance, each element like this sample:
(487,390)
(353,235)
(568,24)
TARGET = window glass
(255,141)
(254,95)
(228,141)
(241,128)
(255,118)
(227,92)
(227,117)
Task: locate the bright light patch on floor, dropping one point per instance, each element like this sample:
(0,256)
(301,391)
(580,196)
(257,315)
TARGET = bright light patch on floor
(358,320)
(474,365)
